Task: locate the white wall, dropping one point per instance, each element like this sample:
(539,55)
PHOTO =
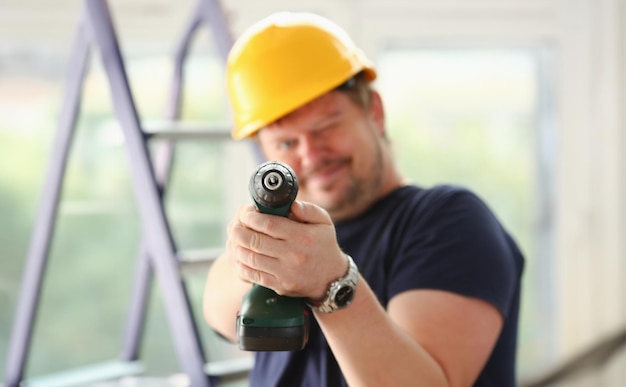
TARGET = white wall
(591,181)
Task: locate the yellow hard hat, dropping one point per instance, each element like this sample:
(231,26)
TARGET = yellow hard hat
(284,61)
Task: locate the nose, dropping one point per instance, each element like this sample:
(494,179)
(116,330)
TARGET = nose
(310,151)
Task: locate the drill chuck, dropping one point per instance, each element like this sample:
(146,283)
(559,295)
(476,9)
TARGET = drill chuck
(274,187)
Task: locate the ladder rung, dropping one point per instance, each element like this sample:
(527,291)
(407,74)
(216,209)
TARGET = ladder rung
(86,375)
(197,261)
(230,368)
(187,131)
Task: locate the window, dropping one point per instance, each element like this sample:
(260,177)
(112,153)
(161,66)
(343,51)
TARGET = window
(87,286)
(480,118)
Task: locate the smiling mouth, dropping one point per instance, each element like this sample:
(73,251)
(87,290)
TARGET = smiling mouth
(325,175)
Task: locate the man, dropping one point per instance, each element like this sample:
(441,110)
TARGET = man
(437,278)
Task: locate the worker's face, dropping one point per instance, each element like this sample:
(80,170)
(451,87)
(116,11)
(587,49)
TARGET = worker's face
(335,148)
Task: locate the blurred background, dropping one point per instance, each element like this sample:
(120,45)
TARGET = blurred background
(520,100)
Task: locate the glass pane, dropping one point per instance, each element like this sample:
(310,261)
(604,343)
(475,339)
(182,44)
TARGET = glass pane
(469,117)
(87,287)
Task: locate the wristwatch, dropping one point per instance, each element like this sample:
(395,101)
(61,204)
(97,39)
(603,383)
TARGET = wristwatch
(341,292)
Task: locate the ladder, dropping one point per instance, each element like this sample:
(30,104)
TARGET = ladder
(158,255)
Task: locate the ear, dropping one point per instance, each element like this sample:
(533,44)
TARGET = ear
(377,111)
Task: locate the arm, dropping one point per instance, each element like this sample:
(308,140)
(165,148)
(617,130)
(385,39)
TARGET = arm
(431,338)
(426,337)
(224,290)
(222,297)
(462,250)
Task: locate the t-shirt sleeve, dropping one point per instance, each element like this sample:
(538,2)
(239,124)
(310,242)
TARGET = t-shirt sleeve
(455,243)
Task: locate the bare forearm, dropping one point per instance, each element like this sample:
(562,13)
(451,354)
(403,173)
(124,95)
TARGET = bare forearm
(222,298)
(373,351)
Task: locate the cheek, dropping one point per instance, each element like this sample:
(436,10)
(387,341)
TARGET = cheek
(344,142)
(365,148)
(355,143)
(272,153)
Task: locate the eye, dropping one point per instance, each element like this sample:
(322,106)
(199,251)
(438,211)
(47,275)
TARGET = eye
(328,129)
(286,144)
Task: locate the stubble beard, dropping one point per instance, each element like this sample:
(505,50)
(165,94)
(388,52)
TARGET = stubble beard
(361,191)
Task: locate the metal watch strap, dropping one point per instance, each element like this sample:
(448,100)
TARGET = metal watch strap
(349,282)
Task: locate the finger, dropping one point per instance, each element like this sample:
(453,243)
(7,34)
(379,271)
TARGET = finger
(255,248)
(306,212)
(268,239)
(257,257)
(235,222)
(251,268)
(277,227)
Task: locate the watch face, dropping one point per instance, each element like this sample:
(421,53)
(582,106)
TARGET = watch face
(344,296)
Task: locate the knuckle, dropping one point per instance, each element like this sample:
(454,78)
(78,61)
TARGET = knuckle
(256,241)
(289,286)
(230,228)
(258,278)
(251,259)
(306,239)
(270,223)
(298,257)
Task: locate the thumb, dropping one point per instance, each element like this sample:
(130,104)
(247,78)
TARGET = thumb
(306,212)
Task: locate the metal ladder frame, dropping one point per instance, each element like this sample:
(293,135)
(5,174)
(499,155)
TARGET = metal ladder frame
(150,176)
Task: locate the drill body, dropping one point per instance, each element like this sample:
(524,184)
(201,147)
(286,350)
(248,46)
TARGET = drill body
(266,320)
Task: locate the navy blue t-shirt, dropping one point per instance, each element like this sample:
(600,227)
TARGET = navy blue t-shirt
(442,238)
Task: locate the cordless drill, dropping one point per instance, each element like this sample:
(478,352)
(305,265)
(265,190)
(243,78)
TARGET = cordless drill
(266,320)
